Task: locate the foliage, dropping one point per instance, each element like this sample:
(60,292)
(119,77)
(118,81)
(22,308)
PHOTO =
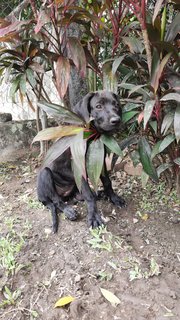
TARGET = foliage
(128,46)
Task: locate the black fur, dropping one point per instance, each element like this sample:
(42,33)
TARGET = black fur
(56,182)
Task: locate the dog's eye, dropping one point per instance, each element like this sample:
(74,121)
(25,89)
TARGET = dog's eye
(99,106)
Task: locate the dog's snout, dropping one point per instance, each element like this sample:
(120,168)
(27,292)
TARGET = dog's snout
(115,120)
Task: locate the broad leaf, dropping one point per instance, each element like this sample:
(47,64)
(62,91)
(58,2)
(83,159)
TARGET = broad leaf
(78,150)
(62,75)
(56,132)
(108,295)
(136,88)
(112,144)
(163,167)
(157,8)
(173,29)
(171,96)
(126,116)
(64,301)
(14,87)
(145,158)
(144,178)
(166,142)
(58,148)
(177,123)
(59,112)
(155,149)
(31,77)
(154,125)
(158,73)
(177,161)
(135,45)
(77,54)
(167,121)
(148,109)
(116,63)
(94,161)
(43,18)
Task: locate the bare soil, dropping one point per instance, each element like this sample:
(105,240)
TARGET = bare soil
(138,258)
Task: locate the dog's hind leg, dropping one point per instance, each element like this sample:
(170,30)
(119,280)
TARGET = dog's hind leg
(48,195)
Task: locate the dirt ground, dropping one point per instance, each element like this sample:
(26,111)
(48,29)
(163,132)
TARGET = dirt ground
(136,257)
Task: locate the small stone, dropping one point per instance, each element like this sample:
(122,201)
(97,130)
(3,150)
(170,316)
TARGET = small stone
(135,220)
(77,278)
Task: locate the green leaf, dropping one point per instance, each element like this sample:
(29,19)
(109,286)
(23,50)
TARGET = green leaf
(145,158)
(171,96)
(135,45)
(128,116)
(177,161)
(59,112)
(167,121)
(112,144)
(177,123)
(136,88)
(166,142)
(153,125)
(110,80)
(163,167)
(31,77)
(22,84)
(155,149)
(158,72)
(163,23)
(148,109)
(14,88)
(94,161)
(116,63)
(78,150)
(56,132)
(173,29)
(144,178)
(58,148)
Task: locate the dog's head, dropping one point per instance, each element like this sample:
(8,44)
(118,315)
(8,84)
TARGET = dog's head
(103,107)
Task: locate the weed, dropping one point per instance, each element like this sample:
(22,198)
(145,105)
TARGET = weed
(103,275)
(10,297)
(102,239)
(31,202)
(137,273)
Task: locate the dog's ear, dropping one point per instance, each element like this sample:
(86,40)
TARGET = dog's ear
(82,108)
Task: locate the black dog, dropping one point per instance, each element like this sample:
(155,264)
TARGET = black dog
(56,182)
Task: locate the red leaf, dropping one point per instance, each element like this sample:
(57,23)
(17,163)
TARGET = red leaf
(62,75)
(43,18)
(15,26)
(140,117)
(77,55)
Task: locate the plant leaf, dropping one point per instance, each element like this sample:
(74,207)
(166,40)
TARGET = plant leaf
(64,301)
(167,121)
(108,295)
(116,63)
(59,112)
(163,167)
(155,149)
(112,144)
(145,158)
(148,109)
(166,142)
(157,7)
(31,77)
(62,75)
(158,72)
(126,116)
(177,123)
(171,96)
(58,148)
(78,150)
(173,29)
(77,54)
(56,132)
(94,161)
(177,161)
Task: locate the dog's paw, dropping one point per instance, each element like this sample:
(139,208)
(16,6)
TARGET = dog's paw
(95,221)
(70,213)
(118,201)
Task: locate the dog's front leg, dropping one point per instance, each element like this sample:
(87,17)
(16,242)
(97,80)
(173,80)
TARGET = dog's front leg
(94,219)
(114,198)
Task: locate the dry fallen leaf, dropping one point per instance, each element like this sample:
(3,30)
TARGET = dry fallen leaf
(110,297)
(64,301)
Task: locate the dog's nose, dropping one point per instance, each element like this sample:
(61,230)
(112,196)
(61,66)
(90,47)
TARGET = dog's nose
(115,120)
